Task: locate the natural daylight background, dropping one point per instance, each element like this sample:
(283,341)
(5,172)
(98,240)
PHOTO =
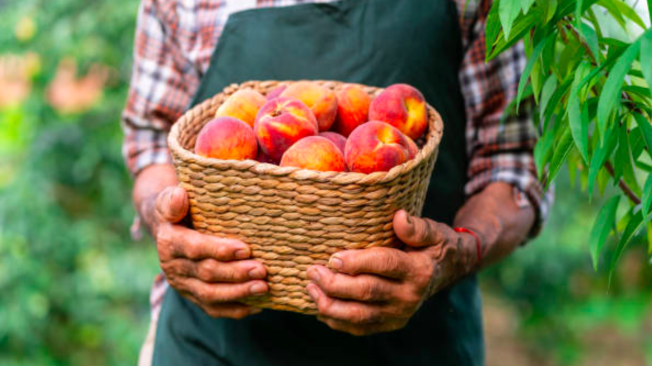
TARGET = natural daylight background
(74,285)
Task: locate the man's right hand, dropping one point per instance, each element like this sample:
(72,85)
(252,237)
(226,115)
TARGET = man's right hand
(211,272)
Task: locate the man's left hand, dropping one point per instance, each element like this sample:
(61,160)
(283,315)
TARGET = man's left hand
(379,289)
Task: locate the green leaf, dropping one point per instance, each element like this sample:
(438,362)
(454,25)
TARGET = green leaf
(646,131)
(600,155)
(551,9)
(534,57)
(649,235)
(621,8)
(603,224)
(561,152)
(548,89)
(646,201)
(543,150)
(554,101)
(610,95)
(526,5)
(578,13)
(633,226)
(492,29)
(646,57)
(591,39)
(649,10)
(508,11)
(579,126)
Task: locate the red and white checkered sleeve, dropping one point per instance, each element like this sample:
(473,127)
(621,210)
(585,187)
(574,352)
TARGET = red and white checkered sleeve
(159,91)
(498,151)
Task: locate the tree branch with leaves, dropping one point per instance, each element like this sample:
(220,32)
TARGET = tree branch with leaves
(589,73)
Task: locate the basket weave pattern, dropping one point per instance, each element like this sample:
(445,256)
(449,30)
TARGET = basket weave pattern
(294,218)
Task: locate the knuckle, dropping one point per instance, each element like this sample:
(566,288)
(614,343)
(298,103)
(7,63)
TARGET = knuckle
(207,270)
(370,291)
(164,240)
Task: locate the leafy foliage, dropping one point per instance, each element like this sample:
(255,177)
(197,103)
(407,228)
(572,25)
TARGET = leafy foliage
(74,285)
(589,71)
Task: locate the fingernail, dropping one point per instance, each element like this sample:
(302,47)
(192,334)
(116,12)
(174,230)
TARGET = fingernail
(242,254)
(256,273)
(258,289)
(313,274)
(335,263)
(312,291)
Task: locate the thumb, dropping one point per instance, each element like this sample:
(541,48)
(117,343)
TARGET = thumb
(172,204)
(417,232)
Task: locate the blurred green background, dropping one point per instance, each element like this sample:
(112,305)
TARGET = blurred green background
(74,285)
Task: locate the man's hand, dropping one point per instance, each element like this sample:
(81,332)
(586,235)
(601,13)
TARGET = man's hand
(211,272)
(379,289)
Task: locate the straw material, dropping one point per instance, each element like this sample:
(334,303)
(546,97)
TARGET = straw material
(294,218)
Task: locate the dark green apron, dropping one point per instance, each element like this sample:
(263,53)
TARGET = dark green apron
(373,42)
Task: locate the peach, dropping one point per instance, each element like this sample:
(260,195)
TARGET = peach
(280,123)
(321,101)
(315,153)
(376,147)
(276,92)
(264,158)
(336,138)
(352,109)
(403,107)
(226,138)
(413,149)
(243,105)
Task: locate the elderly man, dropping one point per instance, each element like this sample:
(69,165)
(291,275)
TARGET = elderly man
(382,306)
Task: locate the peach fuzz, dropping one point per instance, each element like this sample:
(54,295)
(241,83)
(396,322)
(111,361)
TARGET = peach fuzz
(314,153)
(243,105)
(376,147)
(336,138)
(321,101)
(280,123)
(352,109)
(226,138)
(403,107)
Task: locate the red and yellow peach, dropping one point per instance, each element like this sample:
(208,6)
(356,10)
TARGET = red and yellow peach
(226,138)
(336,138)
(376,147)
(315,153)
(243,105)
(403,107)
(321,101)
(352,109)
(280,123)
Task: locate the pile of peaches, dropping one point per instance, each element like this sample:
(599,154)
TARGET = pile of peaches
(308,126)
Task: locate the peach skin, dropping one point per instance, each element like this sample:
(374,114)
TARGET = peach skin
(315,153)
(321,101)
(413,149)
(403,107)
(276,92)
(226,138)
(336,138)
(352,109)
(280,123)
(243,105)
(264,158)
(376,147)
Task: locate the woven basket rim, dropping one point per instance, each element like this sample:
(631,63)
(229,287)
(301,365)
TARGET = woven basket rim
(433,139)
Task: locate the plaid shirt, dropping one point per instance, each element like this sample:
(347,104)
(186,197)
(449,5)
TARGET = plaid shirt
(175,40)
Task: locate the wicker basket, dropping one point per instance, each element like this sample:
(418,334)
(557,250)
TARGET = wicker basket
(295,218)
